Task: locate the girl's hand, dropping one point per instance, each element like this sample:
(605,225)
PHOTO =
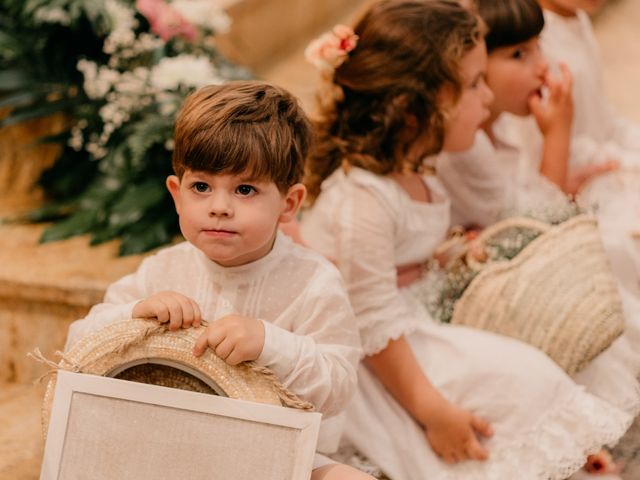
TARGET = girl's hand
(579,177)
(556,113)
(233,338)
(169,307)
(453,434)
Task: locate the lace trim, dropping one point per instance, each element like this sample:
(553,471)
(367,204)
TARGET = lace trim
(373,343)
(556,447)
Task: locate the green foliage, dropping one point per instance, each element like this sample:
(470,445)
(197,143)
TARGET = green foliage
(109,179)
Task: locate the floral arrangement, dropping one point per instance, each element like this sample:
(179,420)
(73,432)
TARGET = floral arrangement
(119,70)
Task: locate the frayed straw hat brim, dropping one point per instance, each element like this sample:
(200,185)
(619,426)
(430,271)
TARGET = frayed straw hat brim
(145,351)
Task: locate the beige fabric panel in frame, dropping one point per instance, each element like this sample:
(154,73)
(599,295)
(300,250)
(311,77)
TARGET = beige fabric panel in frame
(105,428)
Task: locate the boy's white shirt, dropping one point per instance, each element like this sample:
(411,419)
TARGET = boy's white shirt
(599,133)
(311,338)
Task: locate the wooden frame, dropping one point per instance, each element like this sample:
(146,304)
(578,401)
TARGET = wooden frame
(105,428)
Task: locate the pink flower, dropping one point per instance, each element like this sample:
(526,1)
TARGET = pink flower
(165,21)
(331,49)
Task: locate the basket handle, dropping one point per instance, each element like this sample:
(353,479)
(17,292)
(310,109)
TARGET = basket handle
(497,228)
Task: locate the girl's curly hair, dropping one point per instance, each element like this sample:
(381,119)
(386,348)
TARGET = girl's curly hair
(407,51)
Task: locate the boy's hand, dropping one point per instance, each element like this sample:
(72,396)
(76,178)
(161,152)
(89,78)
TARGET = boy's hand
(453,434)
(233,338)
(557,111)
(172,307)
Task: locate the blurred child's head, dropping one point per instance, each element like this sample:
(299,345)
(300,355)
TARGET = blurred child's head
(385,110)
(243,127)
(569,8)
(239,158)
(516,68)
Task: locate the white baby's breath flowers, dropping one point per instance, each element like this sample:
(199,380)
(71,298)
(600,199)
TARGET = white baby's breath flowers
(76,140)
(97,81)
(184,70)
(203,13)
(123,24)
(52,15)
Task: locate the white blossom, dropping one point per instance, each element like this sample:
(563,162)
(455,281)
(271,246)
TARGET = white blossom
(52,15)
(186,70)
(123,24)
(203,13)
(76,140)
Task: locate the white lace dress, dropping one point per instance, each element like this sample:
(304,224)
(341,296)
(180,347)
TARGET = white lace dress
(487,183)
(311,341)
(544,423)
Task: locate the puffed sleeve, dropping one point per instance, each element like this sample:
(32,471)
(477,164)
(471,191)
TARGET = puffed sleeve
(118,303)
(365,235)
(318,354)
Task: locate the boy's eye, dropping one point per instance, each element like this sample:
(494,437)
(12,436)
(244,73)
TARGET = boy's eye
(245,190)
(200,187)
(517,54)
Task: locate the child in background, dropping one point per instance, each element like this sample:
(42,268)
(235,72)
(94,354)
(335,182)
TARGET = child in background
(434,401)
(599,133)
(267,300)
(492,180)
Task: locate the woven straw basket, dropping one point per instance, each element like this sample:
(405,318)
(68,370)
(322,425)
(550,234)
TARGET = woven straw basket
(144,351)
(558,294)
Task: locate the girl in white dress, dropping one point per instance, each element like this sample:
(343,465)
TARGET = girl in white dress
(434,401)
(493,180)
(265,298)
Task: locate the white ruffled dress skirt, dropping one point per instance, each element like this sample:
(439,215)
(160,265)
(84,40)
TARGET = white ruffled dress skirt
(544,423)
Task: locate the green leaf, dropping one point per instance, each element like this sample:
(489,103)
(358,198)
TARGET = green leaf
(48,213)
(49,108)
(145,237)
(14,79)
(104,235)
(20,99)
(77,224)
(135,201)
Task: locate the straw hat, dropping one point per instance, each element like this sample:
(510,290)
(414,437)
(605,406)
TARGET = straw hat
(145,351)
(558,294)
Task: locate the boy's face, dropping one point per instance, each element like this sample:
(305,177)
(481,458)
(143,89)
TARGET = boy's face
(570,7)
(231,219)
(472,107)
(515,74)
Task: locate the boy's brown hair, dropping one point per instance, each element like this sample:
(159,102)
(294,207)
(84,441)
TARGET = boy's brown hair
(243,127)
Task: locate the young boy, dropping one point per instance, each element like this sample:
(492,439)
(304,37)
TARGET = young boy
(238,161)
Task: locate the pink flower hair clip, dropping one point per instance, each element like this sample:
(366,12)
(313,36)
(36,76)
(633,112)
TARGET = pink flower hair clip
(331,49)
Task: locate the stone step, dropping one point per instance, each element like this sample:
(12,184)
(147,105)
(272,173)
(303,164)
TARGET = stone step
(43,288)
(21,441)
